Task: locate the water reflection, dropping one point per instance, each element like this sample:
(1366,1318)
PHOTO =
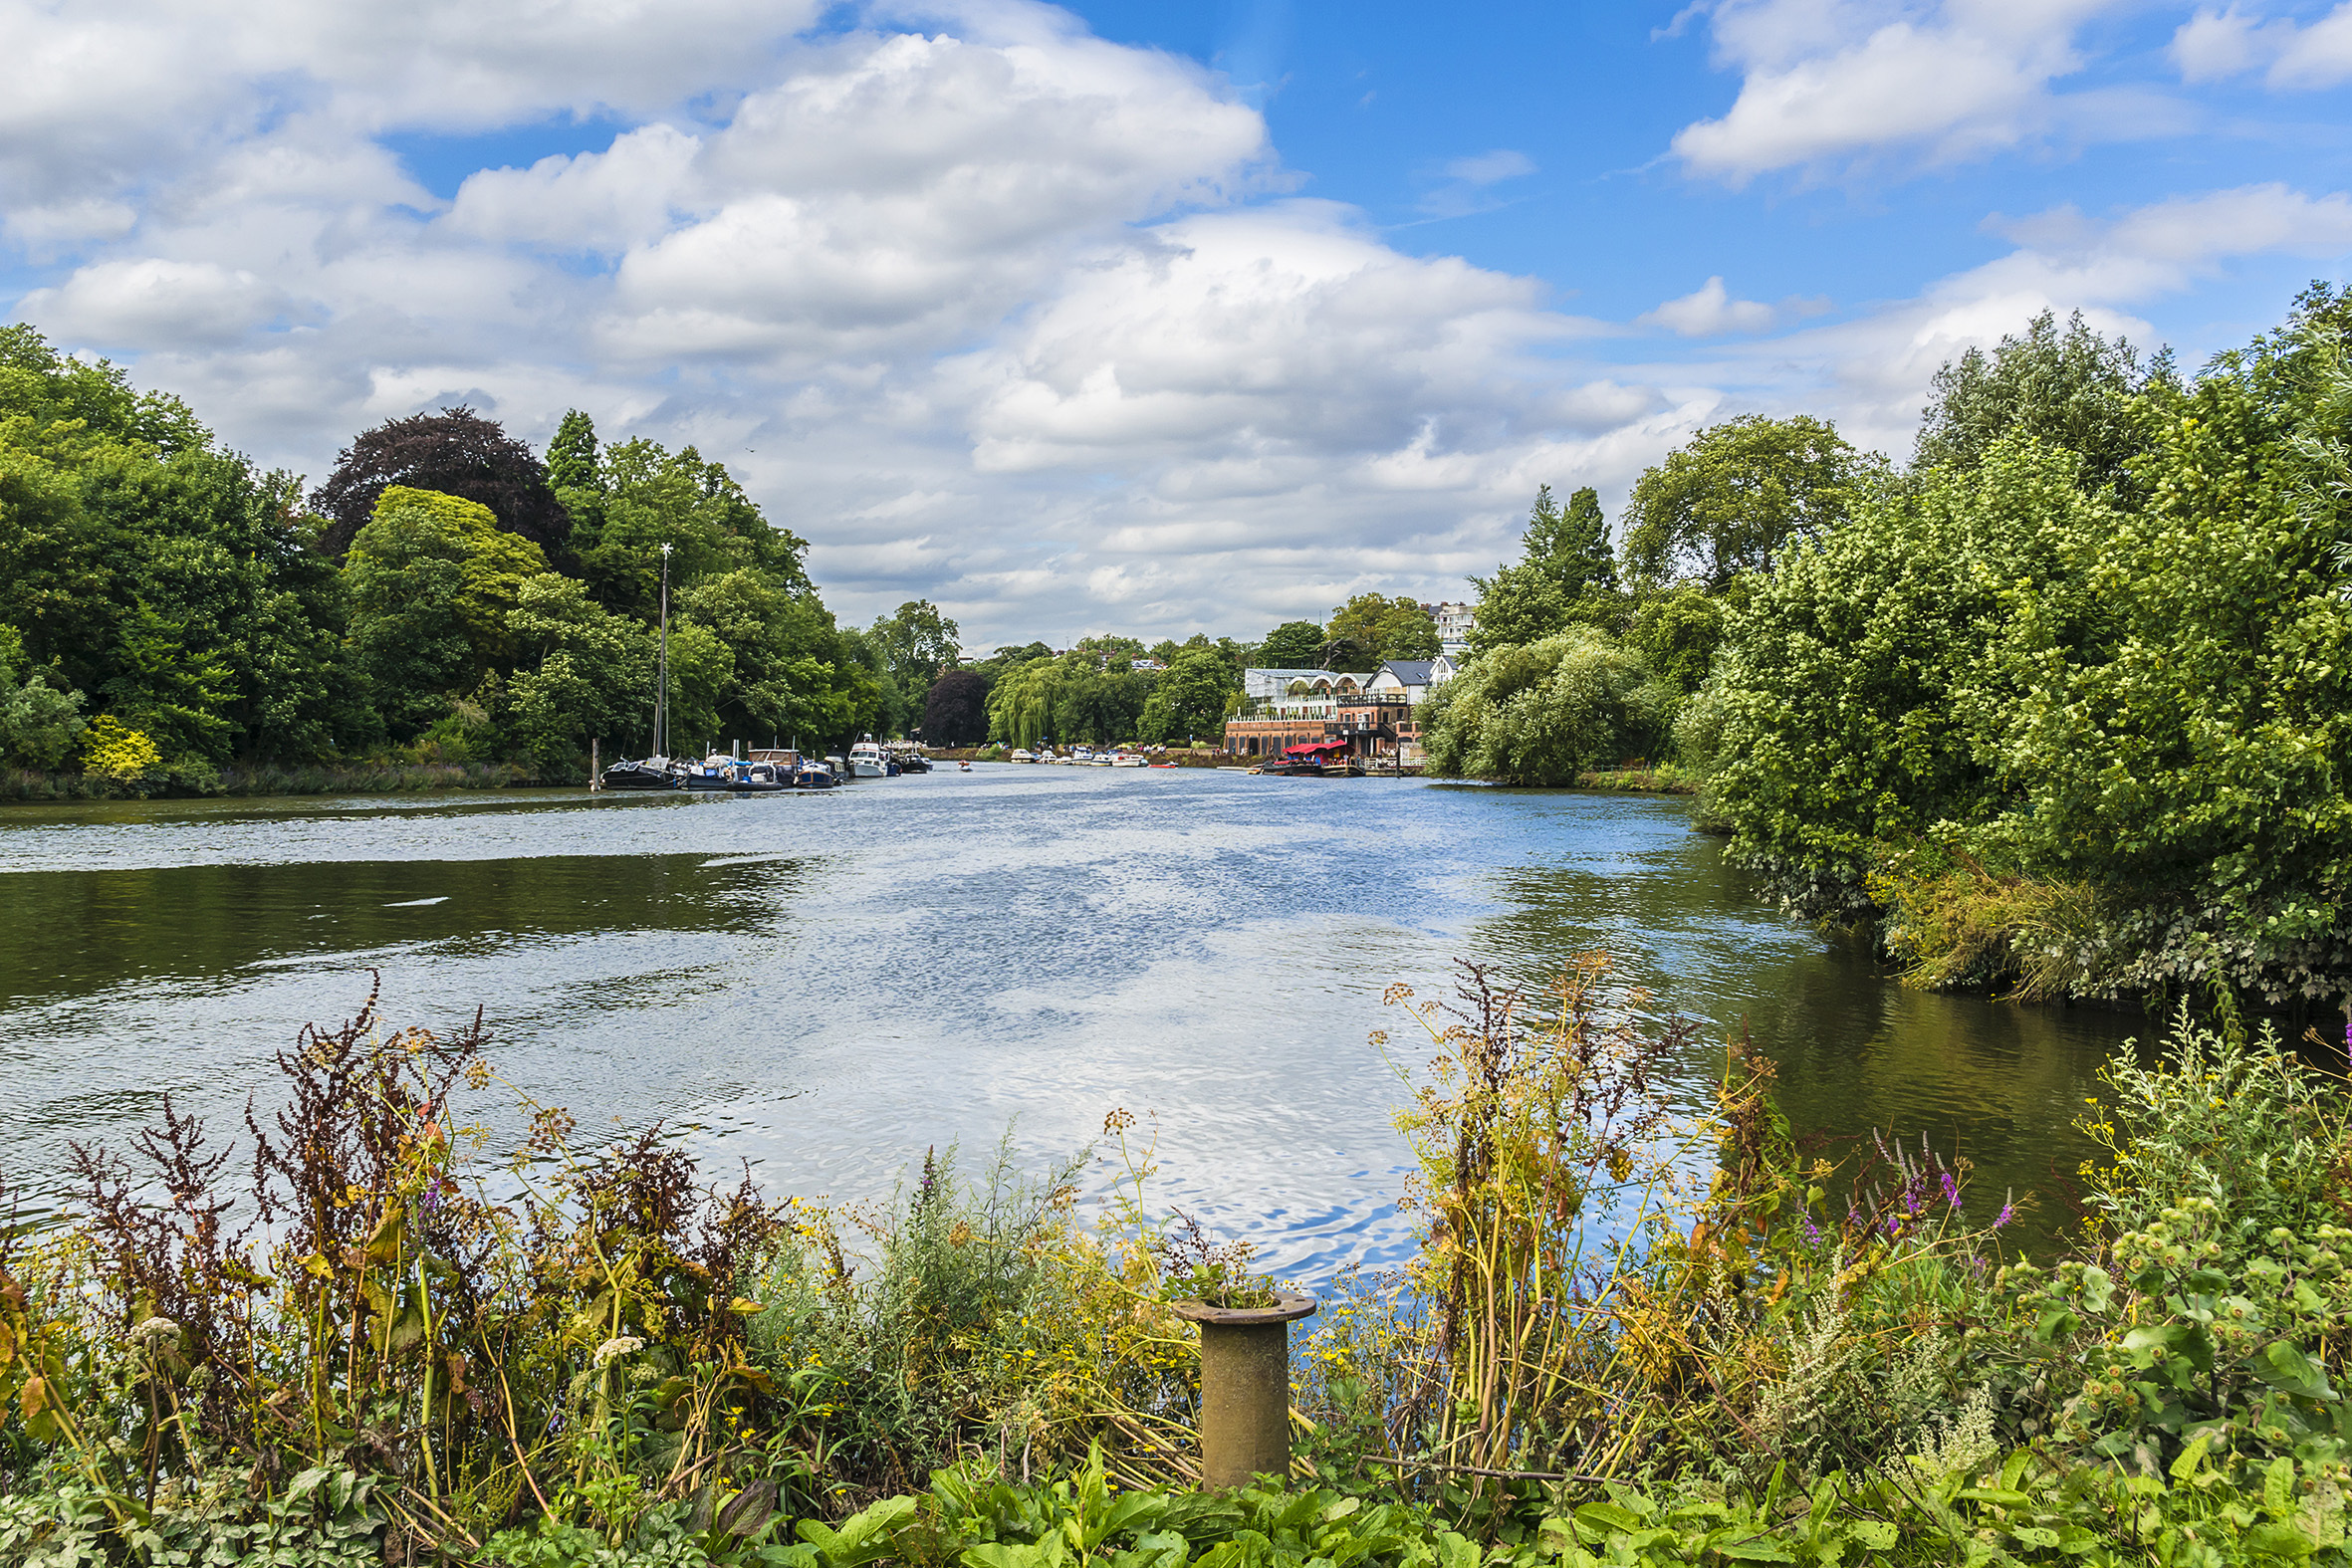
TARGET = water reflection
(829,984)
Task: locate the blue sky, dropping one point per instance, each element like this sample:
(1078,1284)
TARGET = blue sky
(1150,316)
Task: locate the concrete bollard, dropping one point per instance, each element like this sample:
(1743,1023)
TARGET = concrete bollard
(1245,1387)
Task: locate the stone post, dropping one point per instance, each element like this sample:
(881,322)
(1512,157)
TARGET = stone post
(1245,1387)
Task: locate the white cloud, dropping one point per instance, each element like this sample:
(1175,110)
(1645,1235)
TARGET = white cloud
(1708,312)
(2212,45)
(994,313)
(1487,169)
(1838,84)
(1874,370)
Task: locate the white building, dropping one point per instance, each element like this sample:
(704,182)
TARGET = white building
(1410,679)
(1452,625)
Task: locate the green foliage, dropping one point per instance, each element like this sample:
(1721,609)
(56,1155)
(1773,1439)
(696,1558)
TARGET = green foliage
(38,720)
(2072,390)
(1724,503)
(1565,577)
(1291,646)
(1396,628)
(1993,678)
(1190,699)
(1543,713)
(571,456)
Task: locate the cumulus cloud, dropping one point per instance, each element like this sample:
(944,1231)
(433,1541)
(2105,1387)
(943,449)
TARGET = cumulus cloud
(2212,45)
(992,311)
(1874,369)
(1708,312)
(1838,83)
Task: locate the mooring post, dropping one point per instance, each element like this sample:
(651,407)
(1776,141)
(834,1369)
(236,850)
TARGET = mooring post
(596,770)
(1245,1387)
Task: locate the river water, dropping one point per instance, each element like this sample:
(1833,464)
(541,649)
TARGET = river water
(828,985)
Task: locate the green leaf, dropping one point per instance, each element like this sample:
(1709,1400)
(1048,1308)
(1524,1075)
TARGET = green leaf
(2288,1370)
(2280,1540)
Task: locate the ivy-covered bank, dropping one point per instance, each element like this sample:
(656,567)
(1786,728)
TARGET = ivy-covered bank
(378,1334)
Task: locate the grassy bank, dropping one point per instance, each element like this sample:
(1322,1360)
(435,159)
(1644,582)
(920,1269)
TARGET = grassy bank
(1628,1336)
(23,783)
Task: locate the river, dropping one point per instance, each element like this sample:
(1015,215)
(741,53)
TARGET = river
(828,985)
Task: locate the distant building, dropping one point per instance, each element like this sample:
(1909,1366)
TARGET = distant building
(1452,625)
(1273,685)
(1410,679)
(1145,666)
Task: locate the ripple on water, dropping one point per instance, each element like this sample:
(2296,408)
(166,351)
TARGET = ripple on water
(829,984)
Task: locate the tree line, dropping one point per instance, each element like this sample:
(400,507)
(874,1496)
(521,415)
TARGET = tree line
(445,596)
(2059,706)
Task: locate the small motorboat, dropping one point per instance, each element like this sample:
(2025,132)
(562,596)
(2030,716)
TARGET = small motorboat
(866,759)
(963,768)
(1020,754)
(1128,760)
(651,773)
(813,775)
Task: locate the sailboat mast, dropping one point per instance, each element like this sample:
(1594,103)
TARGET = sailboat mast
(661,698)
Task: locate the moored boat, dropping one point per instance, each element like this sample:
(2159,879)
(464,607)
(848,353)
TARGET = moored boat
(866,759)
(651,773)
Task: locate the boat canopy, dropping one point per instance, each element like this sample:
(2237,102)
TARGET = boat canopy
(1315,747)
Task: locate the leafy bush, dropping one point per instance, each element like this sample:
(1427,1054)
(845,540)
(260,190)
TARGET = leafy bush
(1542,712)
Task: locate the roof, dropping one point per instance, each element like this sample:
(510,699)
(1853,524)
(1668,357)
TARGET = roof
(1413,672)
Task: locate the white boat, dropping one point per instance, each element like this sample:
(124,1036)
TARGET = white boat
(1081,753)
(866,760)
(1128,760)
(1021,754)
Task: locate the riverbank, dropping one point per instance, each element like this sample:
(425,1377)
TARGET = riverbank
(623,1363)
(22,783)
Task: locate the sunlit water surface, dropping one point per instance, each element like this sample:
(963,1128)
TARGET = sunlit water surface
(828,985)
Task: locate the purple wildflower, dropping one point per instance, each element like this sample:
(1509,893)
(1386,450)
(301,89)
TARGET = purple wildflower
(1951,1189)
(2008,1213)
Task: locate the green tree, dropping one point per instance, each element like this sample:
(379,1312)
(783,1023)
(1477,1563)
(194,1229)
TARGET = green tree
(39,721)
(1099,706)
(1564,576)
(432,582)
(1190,699)
(1725,501)
(1388,628)
(2073,389)
(1677,634)
(1021,705)
(1541,713)
(572,455)
(588,673)
(1291,646)
(917,642)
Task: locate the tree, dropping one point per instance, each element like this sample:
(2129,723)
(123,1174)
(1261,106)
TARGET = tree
(1387,628)
(588,674)
(572,455)
(1190,699)
(917,642)
(1101,705)
(432,580)
(1541,713)
(955,710)
(1291,646)
(1021,704)
(1676,633)
(455,452)
(1565,576)
(1725,501)
(38,721)
(2074,389)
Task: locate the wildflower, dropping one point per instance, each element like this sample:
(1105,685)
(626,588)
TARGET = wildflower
(153,1332)
(2008,1211)
(612,1349)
